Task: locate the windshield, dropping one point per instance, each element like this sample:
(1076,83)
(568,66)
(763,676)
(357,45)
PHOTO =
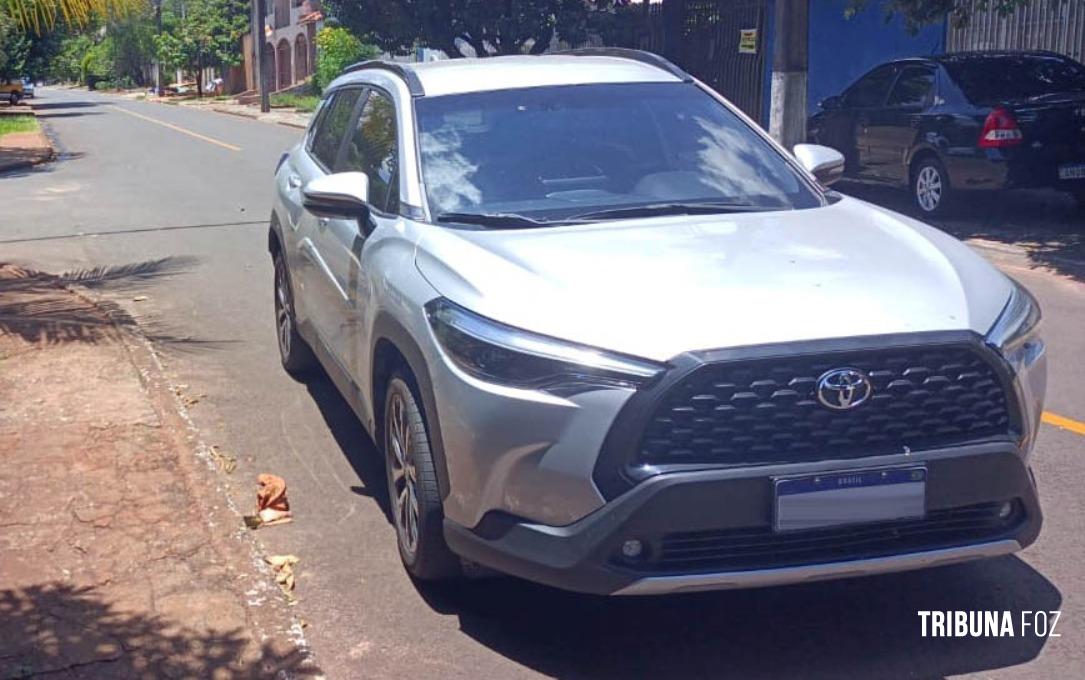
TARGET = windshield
(990,80)
(550,153)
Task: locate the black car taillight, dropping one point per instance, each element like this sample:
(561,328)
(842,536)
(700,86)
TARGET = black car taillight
(1000,130)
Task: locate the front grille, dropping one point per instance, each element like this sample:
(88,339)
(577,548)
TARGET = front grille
(764,411)
(761,548)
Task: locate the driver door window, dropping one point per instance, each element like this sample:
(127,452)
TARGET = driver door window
(374,150)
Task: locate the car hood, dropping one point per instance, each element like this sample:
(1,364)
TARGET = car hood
(661,286)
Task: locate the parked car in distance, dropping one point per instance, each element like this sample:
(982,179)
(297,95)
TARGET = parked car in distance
(609,336)
(28,88)
(946,124)
(11,90)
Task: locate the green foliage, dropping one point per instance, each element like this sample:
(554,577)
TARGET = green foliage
(19,123)
(337,48)
(301,102)
(43,16)
(488,26)
(919,13)
(201,33)
(14,48)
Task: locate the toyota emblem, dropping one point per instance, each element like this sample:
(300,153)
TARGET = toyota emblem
(843,389)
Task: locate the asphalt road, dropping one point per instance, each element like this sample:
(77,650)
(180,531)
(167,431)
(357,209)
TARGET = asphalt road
(173,203)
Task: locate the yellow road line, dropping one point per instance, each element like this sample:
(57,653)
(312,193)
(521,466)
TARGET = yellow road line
(176,128)
(1070,424)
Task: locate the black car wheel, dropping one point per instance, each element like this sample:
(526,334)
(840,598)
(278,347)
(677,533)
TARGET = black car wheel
(13,99)
(296,356)
(412,486)
(930,187)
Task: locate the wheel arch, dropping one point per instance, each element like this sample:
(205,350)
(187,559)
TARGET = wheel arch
(395,348)
(274,236)
(920,153)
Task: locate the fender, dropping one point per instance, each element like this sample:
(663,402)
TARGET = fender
(386,327)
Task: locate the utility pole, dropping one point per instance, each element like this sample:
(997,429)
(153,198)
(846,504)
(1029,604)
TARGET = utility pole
(259,68)
(790,60)
(157,63)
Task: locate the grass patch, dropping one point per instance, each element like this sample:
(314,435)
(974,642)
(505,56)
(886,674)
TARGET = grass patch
(17,123)
(301,102)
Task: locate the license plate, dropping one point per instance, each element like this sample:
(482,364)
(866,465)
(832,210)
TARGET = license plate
(1072,171)
(836,499)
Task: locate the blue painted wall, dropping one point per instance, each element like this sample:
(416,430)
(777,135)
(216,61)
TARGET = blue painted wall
(843,49)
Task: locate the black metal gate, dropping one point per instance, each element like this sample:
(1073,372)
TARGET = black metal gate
(722,43)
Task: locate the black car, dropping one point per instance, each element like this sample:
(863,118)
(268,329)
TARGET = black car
(964,121)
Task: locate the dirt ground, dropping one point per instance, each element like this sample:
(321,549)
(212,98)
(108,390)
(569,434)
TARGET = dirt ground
(118,554)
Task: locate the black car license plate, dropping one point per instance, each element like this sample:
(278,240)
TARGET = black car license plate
(841,498)
(1072,171)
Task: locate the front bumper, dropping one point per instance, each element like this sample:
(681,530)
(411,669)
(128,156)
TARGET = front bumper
(585,556)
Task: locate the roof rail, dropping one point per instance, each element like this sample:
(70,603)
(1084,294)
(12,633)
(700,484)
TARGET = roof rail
(414,85)
(650,58)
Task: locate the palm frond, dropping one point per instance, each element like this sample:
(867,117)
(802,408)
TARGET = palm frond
(39,15)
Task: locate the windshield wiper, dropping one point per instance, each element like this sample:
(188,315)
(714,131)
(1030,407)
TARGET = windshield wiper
(653,209)
(495,219)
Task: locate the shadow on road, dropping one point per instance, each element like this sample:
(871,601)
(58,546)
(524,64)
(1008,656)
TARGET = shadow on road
(858,628)
(1048,225)
(352,439)
(68,114)
(58,628)
(74,104)
(39,307)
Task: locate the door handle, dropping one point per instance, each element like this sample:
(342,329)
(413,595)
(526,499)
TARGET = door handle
(322,222)
(293,181)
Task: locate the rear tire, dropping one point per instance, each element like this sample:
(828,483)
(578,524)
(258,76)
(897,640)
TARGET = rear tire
(931,193)
(13,99)
(296,355)
(412,486)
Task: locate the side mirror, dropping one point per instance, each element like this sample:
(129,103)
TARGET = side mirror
(824,163)
(343,195)
(831,103)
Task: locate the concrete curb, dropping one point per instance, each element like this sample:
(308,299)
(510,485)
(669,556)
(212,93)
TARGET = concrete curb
(268,613)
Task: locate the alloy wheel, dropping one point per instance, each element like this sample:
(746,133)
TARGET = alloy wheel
(928,188)
(404,477)
(284,322)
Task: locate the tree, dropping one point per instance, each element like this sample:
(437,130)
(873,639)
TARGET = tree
(14,48)
(337,48)
(919,13)
(201,33)
(488,26)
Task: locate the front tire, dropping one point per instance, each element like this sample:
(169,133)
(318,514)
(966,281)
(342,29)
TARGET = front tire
(13,99)
(296,356)
(931,192)
(412,486)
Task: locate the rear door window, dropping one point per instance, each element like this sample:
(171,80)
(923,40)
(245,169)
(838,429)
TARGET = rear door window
(993,79)
(871,88)
(332,127)
(914,88)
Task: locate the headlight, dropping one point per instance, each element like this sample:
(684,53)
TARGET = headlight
(1019,322)
(497,353)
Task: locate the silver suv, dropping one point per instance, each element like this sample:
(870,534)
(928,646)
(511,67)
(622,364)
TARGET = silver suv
(610,337)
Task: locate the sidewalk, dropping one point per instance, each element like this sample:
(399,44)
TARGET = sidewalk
(289,117)
(118,558)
